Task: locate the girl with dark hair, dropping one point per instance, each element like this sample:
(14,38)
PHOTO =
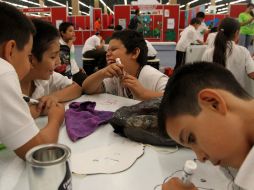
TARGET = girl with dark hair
(42,82)
(230,55)
(131,78)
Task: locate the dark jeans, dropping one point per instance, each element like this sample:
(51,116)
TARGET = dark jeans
(98,55)
(180,59)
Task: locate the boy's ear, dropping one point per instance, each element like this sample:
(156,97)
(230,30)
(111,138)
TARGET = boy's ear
(32,61)
(211,99)
(8,50)
(135,53)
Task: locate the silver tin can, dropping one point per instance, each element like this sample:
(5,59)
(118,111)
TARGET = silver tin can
(48,167)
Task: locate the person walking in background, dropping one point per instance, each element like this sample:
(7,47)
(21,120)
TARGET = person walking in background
(189,35)
(135,22)
(97,25)
(202,29)
(247,26)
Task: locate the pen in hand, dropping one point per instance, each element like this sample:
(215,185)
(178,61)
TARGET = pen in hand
(30,100)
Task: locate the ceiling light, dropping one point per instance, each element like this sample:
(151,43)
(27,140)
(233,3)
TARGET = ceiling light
(83,4)
(52,1)
(16,5)
(106,6)
(30,2)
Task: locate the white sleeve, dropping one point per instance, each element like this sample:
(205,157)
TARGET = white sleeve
(58,82)
(192,36)
(249,62)
(110,86)
(161,84)
(17,126)
(97,41)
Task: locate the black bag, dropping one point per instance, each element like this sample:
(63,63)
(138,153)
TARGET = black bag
(139,123)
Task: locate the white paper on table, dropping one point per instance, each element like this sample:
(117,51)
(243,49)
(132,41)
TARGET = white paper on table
(109,159)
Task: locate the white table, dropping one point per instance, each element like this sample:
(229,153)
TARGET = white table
(148,171)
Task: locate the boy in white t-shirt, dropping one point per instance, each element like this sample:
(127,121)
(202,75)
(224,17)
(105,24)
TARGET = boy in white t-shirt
(188,36)
(18,130)
(42,82)
(202,29)
(131,78)
(213,115)
(94,48)
(68,66)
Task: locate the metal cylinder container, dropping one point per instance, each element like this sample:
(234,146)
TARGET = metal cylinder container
(48,167)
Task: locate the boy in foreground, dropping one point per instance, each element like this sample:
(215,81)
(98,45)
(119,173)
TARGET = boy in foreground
(18,130)
(204,108)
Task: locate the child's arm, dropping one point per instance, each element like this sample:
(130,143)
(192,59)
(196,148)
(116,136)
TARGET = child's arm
(93,83)
(68,93)
(49,134)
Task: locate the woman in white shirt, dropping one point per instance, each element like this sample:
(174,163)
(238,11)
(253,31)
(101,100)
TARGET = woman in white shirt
(42,82)
(232,56)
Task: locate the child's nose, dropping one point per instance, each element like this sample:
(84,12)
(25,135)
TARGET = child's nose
(58,61)
(201,156)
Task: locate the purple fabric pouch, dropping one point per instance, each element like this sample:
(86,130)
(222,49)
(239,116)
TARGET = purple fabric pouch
(82,119)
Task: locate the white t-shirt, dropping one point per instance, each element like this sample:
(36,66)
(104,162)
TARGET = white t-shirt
(91,43)
(240,63)
(151,50)
(74,65)
(245,175)
(46,87)
(17,126)
(149,77)
(188,36)
(200,31)
(210,39)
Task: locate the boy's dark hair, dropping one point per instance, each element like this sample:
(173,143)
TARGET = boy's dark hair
(181,93)
(118,28)
(200,15)
(15,26)
(136,11)
(46,33)
(195,21)
(132,39)
(64,26)
(223,40)
(214,29)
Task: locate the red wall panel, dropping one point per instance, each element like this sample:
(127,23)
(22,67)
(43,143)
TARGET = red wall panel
(236,9)
(122,12)
(182,19)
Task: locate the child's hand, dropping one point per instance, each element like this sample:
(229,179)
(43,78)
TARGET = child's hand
(46,102)
(56,113)
(134,86)
(176,184)
(113,70)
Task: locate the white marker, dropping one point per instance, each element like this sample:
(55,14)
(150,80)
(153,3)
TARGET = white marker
(118,61)
(30,100)
(189,167)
